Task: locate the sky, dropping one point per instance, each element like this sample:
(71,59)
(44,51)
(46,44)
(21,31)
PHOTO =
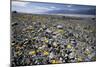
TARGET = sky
(51,8)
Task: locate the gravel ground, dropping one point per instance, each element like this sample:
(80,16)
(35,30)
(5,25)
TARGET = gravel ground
(49,39)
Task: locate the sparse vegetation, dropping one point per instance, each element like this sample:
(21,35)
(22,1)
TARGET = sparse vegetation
(51,39)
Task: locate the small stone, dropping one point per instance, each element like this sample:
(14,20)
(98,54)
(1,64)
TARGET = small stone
(73,41)
(12,43)
(59,26)
(55,44)
(43,26)
(66,55)
(54,33)
(71,55)
(14,24)
(42,47)
(87,52)
(61,59)
(48,31)
(51,55)
(70,34)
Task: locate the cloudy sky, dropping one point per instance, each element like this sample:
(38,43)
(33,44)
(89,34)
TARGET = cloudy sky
(41,8)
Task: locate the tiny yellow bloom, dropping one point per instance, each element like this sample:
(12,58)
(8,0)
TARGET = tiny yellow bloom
(32,52)
(33,38)
(20,53)
(46,41)
(54,62)
(60,31)
(17,52)
(69,46)
(87,52)
(39,50)
(79,59)
(46,53)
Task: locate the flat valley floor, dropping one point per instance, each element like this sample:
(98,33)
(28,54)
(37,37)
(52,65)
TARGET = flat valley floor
(51,39)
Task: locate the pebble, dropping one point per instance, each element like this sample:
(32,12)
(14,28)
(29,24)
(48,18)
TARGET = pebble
(51,55)
(48,31)
(55,44)
(59,26)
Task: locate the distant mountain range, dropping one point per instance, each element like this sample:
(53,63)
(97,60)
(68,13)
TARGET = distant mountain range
(84,12)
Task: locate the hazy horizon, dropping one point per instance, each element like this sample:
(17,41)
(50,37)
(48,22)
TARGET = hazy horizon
(52,8)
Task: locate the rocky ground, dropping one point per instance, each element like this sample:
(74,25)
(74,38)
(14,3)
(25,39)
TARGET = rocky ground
(49,39)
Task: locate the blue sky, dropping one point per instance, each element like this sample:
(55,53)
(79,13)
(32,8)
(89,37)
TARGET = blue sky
(42,8)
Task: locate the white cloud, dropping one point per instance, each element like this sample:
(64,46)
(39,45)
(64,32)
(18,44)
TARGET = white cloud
(53,7)
(47,8)
(41,8)
(72,9)
(22,4)
(69,6)
(32,10)
(24,7)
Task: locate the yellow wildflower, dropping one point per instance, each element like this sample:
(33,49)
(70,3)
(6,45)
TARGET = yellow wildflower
(32,52)
(79,59)
(69,46)
(46,53)
(54,62)
(60,31)
(87,52)
(46,40)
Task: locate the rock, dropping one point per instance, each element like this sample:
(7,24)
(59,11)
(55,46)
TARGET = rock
(14,24)
(63,41)
(42,47)
(59,26)
(55,44)
(73,41)
(43,26)
(51,55)
(70,34)
(61,59)
(66,55)
(72,55)
(48,31)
